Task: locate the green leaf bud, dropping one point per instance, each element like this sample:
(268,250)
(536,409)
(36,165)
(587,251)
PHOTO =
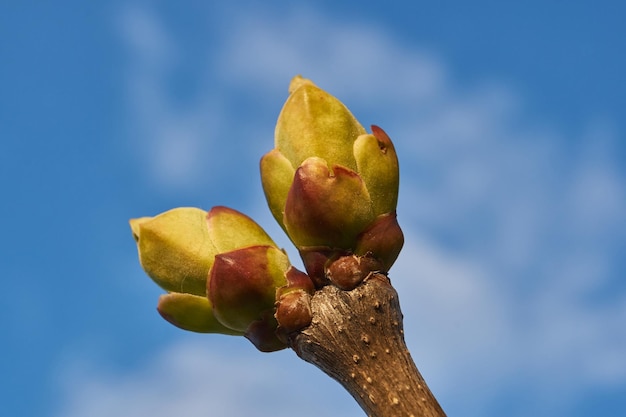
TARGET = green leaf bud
(191,312)
(377,165)
(314,123)
(175,249)
(230,229)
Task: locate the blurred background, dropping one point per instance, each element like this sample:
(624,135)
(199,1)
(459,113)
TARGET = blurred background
(509,124)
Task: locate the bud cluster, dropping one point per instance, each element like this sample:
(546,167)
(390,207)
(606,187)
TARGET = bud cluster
(331,186)
(221,271)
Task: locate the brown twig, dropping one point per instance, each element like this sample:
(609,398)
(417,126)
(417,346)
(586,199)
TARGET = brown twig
(356,337)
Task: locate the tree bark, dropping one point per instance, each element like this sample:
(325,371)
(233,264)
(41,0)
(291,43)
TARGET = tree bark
(356,337)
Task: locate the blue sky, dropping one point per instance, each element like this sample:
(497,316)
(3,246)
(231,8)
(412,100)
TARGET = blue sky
(509,123)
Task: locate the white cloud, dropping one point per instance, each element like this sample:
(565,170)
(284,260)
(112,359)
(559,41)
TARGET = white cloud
(211,377)
(176,142)
(144,34)
(507,230)
(343,56)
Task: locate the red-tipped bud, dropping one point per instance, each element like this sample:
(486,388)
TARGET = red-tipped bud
(382,240)
(243,284)
(326,208)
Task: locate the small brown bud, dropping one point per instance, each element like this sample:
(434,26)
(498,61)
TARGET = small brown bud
(349,271)
(293,312)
